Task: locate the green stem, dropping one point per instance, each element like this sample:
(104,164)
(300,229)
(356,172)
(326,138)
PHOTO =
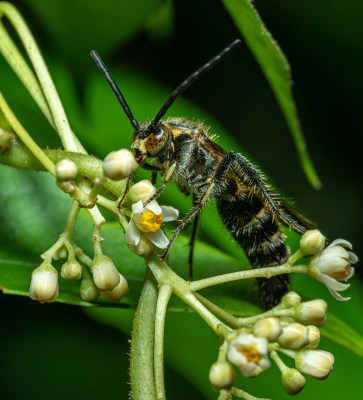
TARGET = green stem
(219,312)
(25,137)
(241,394)
(165,292)
(69,140)
(71,221)
(16,61)
(165,275)
(142,343)
(254,273)
(20,157)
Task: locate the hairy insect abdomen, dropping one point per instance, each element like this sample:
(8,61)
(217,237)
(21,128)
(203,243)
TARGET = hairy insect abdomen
(252,224)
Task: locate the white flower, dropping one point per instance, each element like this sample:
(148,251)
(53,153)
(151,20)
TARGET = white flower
(312,312)
(105,274)
(118,292)
(332,265)
(292,381)
(44,284)
(249,354)
(316,363)
(269,328)
(146,223)
(119,164)
(222,375)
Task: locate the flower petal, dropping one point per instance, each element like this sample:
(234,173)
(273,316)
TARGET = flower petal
(154,207)
(169,213)
(332,283)
(158,238)
(341,242)
(337,296)
(353,259)
(137,207)
(132,234)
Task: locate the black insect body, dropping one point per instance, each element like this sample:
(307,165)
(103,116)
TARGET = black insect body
(182,152)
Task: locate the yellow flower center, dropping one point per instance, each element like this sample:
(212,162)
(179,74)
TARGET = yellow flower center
(251,353)
(341,273)
(150,222)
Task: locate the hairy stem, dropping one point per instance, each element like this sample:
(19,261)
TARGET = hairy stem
(142,343)
(163,299)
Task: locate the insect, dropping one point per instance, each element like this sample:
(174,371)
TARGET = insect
(183,152)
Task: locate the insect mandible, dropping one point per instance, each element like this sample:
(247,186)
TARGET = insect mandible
(183,152)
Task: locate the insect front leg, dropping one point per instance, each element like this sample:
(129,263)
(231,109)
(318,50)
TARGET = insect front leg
(166,178)
(192,242)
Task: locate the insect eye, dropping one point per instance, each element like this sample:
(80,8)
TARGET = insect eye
(157,140)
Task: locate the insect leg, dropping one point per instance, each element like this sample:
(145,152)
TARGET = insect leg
(192,243)
(166,179)
(153,177)
(197,209)
(127,187)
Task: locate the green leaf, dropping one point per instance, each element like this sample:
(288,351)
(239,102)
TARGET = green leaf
(276,68)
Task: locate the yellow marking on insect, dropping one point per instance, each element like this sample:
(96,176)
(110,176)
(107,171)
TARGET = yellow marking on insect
(178,131)
(170,172)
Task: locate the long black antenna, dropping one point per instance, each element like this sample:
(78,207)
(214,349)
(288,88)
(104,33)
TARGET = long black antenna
(193,77)
(115,88)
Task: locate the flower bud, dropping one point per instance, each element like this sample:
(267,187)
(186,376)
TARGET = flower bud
(66,170)
(314,337)
(141,191)
(284,321)
(44,284)
(312,242)
(269,328)
(293,336)
(60,254)
(143,248)
(118,292)
(222,375)
(312,312)
(316,363)
(119,164)
(292,381)
(290,299)
(88,289)
(105,274)
(71,270)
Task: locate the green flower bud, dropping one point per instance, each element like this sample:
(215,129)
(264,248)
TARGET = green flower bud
(312,242)
(222,375)
(290,299)
(294,336)
(71,270)
(119,164)
(292,381)
(118,292)
(66,170)
(269,328)
(44,284)
(105,274)
(312,312)
(316,363)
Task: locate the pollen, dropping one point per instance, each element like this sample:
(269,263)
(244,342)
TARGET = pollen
(150,221)
(251,353)
(341,273)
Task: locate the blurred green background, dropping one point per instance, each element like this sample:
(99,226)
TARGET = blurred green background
(151,46)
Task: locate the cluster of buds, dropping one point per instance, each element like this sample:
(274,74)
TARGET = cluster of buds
(289,328)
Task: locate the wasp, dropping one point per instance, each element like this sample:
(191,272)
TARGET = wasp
(182,151)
